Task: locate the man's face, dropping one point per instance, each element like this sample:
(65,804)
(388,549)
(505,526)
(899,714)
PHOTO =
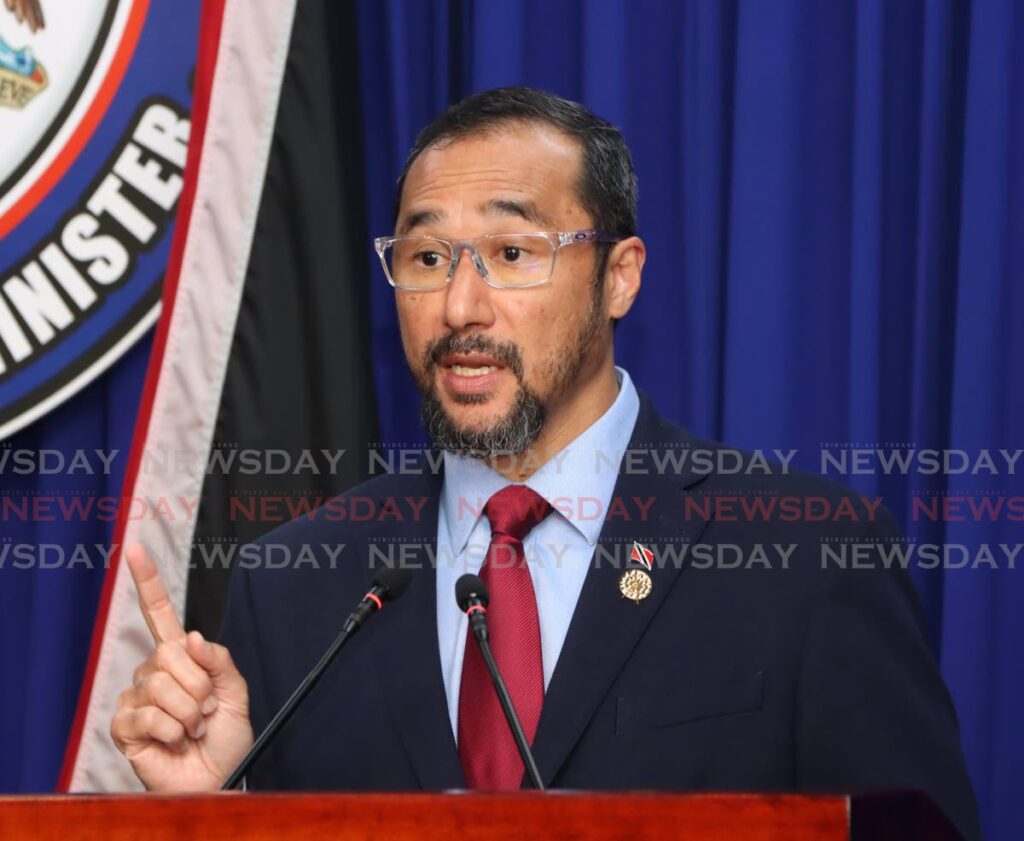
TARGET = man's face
(495,365)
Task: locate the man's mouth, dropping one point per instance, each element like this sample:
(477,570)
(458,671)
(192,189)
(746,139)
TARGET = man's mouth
(465,371)
(470,372)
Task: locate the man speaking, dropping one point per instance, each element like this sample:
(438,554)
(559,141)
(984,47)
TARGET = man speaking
(634,660)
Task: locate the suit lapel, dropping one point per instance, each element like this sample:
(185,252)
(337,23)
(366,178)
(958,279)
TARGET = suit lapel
(406,647)
(605,627)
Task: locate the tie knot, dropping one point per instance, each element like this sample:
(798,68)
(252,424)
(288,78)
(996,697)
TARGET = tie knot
(515,510)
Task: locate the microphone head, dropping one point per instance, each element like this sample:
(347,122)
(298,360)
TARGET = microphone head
(392,582)
(470,587)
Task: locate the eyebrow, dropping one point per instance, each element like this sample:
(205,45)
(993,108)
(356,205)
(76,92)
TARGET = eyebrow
(512,207)
(420,217)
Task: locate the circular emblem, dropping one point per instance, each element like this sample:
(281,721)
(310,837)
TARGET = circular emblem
(93,142)
(635,584)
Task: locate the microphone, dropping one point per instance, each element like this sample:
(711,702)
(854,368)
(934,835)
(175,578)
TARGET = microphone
(388,585)
(473,598)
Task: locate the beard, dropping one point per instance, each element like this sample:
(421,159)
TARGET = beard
(519,428)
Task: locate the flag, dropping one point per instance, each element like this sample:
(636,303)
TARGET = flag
(258,403)
(642,555)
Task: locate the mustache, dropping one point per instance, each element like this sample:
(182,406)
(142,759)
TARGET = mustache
(507,353)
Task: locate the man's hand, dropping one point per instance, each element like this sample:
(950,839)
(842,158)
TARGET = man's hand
(184,723)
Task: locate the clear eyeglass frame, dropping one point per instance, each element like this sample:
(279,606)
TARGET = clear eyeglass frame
(558,240)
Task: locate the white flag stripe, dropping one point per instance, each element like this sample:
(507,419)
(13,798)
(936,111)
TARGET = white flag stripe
(247,81)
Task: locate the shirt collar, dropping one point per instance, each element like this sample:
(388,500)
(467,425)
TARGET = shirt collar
(578,482)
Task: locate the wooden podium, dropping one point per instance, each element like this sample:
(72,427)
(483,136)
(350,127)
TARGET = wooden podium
(530,815)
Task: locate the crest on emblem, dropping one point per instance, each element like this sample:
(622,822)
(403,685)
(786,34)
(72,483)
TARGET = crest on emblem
(22,76)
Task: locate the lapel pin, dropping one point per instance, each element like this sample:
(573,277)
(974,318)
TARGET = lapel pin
(635,583)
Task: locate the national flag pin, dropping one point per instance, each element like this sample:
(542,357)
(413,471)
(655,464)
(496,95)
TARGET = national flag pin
(635,583)
(642,555)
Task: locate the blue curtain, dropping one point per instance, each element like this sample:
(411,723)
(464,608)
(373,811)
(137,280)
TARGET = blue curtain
(47,607)
(831,194)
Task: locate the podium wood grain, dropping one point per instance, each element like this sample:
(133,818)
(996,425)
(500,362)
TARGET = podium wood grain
(237,816)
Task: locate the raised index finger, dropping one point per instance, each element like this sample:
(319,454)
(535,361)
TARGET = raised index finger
(156,605)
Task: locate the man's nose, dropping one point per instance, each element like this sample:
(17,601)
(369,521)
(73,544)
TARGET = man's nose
(468,255)
(468,302)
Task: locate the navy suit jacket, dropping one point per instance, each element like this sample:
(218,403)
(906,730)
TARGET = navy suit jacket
(809,678)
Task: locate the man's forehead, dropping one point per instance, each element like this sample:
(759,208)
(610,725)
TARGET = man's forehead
(515,170)
(508,208)
(531,137)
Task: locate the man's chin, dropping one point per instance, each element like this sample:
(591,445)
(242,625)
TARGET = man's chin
(473,419)
(478,411)
(483,425)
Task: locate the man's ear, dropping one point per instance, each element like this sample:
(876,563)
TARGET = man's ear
(623,274)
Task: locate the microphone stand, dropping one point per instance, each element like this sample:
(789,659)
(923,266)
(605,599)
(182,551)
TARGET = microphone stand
(478,622)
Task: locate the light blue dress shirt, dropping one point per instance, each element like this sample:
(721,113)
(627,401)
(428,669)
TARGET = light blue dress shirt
(578,483)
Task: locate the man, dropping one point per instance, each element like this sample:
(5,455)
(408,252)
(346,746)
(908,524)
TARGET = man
(514,255)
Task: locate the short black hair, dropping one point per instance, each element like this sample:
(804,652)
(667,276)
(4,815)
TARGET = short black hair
(607,186)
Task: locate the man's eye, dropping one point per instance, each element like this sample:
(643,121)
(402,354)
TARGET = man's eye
(429,259)
(511,253)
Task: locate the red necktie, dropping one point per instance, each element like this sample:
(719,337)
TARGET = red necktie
(486,747)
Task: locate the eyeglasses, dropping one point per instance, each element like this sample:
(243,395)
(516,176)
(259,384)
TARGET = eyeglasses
(505,261)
